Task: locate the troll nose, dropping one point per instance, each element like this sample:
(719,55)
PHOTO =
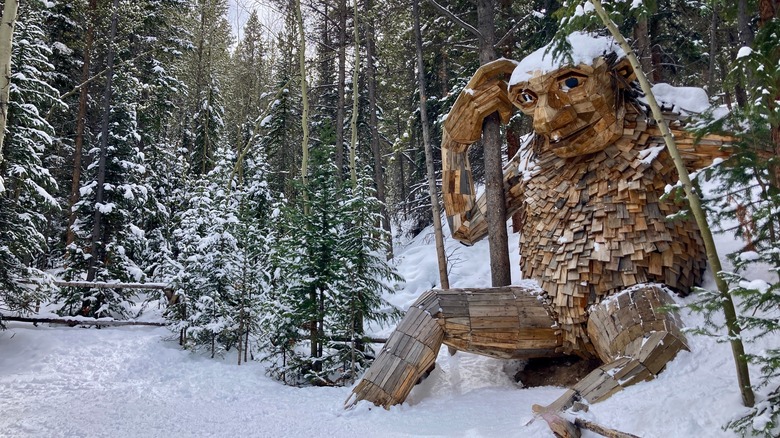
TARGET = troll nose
(551,114)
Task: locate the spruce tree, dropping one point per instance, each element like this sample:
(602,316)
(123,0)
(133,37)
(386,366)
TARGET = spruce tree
(29,185)
(749,180)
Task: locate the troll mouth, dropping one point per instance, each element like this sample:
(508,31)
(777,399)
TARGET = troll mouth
(555,142)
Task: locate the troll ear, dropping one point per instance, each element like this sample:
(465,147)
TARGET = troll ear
(624,70)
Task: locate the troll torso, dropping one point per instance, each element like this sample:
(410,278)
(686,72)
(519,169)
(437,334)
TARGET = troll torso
(599,223)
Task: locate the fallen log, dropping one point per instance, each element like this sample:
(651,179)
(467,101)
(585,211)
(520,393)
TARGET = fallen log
(601,430)
(75,322)
(166,288)
(114,323)
(563,428)
(366,340)
(107,285)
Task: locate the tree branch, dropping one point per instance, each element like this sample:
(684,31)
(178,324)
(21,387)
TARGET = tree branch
(97,76)
(601,430)
(456,19)
(510,32)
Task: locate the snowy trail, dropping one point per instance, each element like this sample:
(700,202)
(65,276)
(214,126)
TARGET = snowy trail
(130,382)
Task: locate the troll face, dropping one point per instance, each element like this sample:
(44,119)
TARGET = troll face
(577,110)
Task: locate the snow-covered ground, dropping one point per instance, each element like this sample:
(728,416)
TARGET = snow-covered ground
(136,382)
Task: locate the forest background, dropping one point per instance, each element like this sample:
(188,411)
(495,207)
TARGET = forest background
(148,141)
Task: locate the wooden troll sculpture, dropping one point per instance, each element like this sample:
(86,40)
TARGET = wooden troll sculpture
(596,233)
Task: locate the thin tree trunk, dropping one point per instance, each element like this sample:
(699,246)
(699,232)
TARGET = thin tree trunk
(745,38)
(341,89)
(512,138)
(642,38)
(769,9)
(494,175)
(199,70)
(101,179)
(713,47)
(376,151)
(734,330)
(313,296)
(10,10)
(304,103)
(355,98)
(81,122)
(743,23)
(441,255)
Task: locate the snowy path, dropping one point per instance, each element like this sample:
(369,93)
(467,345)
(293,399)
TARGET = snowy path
(129,382)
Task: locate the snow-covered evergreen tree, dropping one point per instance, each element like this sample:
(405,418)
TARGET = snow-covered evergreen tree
(358,300)
(306,265)
(27,199)
(329,279)
(124,192)
(223,250)
(208,129)
(281,129)
(749,195)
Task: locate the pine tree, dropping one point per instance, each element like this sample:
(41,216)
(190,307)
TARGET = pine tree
(209,264)
(330,276)
(29,185)
(281,129)
(358,295)
(751,177)
(222,268)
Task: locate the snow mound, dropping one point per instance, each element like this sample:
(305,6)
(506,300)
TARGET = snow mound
(684,100)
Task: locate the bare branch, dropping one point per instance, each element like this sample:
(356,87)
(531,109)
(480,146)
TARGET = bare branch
(97,76)
(456,19)
(511,31)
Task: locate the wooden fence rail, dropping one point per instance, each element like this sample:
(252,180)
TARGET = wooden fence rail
(166,288)
(80,321)
(115,323)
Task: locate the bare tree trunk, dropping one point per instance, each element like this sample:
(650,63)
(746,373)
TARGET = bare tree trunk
(304,103)
(355,97)
(745,38)
(743,23)
(101,179)
(10,10)
(642,38)
(313,296)
(341,89)
(769,9)
(494,175)
(734,330)
(379,162)
(713,47)
(441,255)
(512,138)
(81,122)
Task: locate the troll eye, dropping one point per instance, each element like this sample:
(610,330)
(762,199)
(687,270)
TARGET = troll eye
(527,97)
(567,83)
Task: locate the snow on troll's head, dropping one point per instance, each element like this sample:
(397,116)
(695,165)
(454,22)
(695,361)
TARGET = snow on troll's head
(578,104)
